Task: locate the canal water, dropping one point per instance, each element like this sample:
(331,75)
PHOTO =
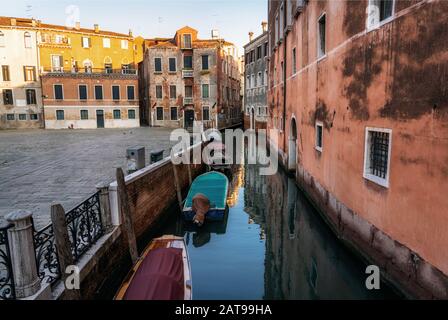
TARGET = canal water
(272,245)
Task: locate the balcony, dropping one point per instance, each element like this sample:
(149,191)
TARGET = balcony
(88,71)
(188,100)
(188,73)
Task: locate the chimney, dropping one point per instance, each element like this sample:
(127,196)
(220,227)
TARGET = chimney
(251,35)
(13,22)
(97,28)
(130,32)
(33,22)
(264,26)
(77,25)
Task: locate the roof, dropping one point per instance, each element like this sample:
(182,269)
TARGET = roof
(25,22)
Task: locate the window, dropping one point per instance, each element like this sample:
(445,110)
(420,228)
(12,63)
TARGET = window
(131,114)
(58,92)
(378,11)
(265,51)
(173,113)
(252,81)
(115,92)
(85,42)
(159,92)
(159,113)
(30,96)
(84,114)
(252,56)
(321,36)
(124,44)
(205,91)
(131,92)
(99,92)
(260,79)
(186,41)
(173,93)
(188,91)
(258,52)
(82,90)
(205,114)
(2,39)
(117,114)
(60,115)
(10,116)
(22,116)
(5,73)
(29,73)
(157,64)
(172,64)
(57,63)
(265,77)
(188,62)
(33,116)
(106,43)
(294,61)
(27,37)
(205,62)
(319,136)
(377,155)
(108,68)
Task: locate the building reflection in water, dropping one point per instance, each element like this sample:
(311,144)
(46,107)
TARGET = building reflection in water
(303,259)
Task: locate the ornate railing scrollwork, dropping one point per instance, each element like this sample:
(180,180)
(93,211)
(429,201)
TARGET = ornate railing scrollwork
(7,290)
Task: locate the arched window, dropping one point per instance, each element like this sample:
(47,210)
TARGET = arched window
(27,37)
(2,39)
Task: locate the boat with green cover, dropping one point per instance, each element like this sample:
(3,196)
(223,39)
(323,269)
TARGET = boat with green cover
(213,185)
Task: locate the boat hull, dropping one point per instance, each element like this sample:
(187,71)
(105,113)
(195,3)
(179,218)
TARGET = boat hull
(211,215)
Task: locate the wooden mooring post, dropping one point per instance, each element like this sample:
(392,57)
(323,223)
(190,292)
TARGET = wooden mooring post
(126,215)
(177,186)
(63,249)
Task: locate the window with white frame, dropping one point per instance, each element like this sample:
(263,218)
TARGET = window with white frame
(205,113)
(157,64)
(319,136)
(124,44)
(377,151)
(173,113)
(85,42)
(106,43)
(379,11)
(27,37)
(172,65)
(159,113)
(260,80)
(22,116)
(321,35)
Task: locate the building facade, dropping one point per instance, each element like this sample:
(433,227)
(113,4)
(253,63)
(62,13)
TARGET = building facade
(89,77)
(188,79)
(256,81)
(21,98)
(357,94)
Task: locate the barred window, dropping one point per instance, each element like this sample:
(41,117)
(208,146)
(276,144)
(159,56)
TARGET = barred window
(377,155)
(159,113)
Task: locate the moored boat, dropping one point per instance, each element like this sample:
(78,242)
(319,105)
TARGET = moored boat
(212,186)
(163,272)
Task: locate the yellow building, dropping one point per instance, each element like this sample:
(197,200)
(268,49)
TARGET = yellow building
(63,49)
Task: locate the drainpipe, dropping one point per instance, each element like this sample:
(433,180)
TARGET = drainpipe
(284,74)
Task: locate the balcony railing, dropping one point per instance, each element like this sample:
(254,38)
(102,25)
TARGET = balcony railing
(96,71)
(187,73)
(188,100)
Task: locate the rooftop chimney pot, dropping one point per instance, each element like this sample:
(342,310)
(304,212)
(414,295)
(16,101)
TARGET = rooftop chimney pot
(77,25)
(130,32)
(97,28)
(251,35)
(264,26)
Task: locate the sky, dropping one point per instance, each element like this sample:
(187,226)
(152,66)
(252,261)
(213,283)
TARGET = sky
(151,18)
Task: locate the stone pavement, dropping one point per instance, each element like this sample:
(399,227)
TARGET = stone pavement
(38,167)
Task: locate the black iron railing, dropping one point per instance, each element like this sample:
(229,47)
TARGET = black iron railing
(7,290)
(84,229)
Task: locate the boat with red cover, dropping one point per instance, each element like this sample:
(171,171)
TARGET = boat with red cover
(162,273)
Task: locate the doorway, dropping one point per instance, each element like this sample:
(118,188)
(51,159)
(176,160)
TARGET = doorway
(188,118)
(99,118)
(292,146)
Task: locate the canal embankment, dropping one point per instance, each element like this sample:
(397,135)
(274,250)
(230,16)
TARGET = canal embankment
(400,266)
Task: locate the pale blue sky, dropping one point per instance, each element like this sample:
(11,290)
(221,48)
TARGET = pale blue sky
(150,18)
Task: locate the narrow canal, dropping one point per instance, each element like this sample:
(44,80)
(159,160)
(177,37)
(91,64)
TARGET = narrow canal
(273,245)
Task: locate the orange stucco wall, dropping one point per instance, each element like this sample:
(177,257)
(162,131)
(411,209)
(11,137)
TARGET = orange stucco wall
(392,77)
